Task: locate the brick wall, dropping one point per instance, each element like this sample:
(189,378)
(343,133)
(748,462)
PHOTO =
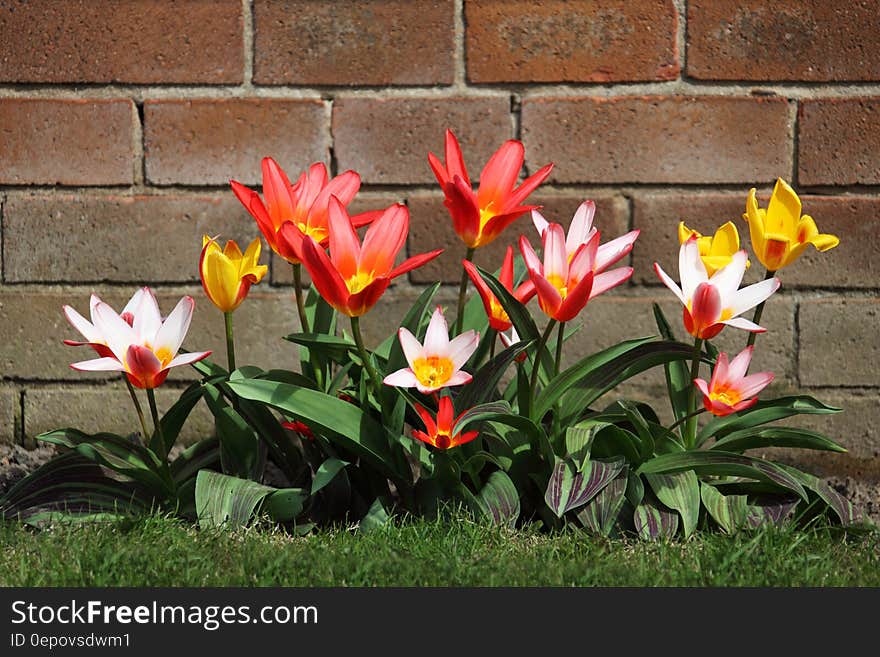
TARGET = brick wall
(121,122)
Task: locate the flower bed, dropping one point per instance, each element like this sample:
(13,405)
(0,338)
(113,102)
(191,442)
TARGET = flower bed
(482,414)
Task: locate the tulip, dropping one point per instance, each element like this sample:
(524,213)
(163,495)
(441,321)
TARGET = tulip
(145,349)
(716,251)
(299,427)
(304,206)
(780,234)
(94,337)
(498,318)
(730,390)
(354,276)
(711,303)
(581,231)
(479,217)
(436,364)
(439,434)
(226,274)
(510,339)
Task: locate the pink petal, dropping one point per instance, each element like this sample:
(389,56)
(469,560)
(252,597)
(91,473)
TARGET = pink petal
(462,347)
(613,251)
(412,348)
(345,247)
(105,364)
(384,239)
(702,387)
(437,335)
(533,263)
(753,384)
(581,226)
(609,279)
(539,222)
(459,379)
(721,373)
(555,255)
(740,365)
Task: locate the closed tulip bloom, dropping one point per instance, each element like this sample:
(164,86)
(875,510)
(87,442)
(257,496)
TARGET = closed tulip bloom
(780,234)
(440,434)
(711,303)
(716,251)
(498,318)
(145,349)
(581,231)
(287,213)
(227,274)
(511,338)
(355,275)
(730,390)
(436,364)
(479,217)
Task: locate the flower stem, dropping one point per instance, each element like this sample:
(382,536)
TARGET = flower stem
(300,303)
(533,384)
(559,347)
(462,291)
(230,342)
(759,311)
(686,417)
(365,356)
(151,397)
(137,407)
(690,434)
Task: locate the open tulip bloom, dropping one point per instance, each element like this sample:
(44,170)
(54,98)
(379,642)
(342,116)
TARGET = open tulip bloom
(480,217)
(355,275)
(730,390)
(536,439)
(145,349)
(780,234)
(711,303)
(436,364)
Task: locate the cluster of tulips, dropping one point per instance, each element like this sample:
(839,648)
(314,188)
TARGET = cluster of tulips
(428,415)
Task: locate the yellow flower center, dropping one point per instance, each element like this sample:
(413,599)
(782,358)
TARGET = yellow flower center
(726,314)
(726,396)
(359,281)
(486,214)
(164,355)
(498,311)
(559,283)
(433,371)
(317,233)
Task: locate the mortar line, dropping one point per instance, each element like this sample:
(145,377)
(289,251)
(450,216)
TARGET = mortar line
(247,8)
(2,238)
(139,147)
(795,143)
(459,76)
(22,434)
(681,35)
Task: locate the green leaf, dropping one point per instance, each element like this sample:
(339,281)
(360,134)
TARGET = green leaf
(841,506)
(205,454)
(600,513)
(285,504)
(517,312)
(723,464)
(774,513)
(679,491)
(328,469)
(174,419)
(343,422)
(678,382)
(376,517)
(729,511)
(499,499)
(239,445)
(739,441)
(635,489)
(611,440)
(578,441)
(640,424)
(330,346)
(653,523)
(569,489)
(482,387)
(766,410)
(222,500)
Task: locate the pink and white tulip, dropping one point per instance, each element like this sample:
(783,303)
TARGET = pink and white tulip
(138,343)
(730,390)
(436,364)
(711,303)
(581,231)
(566,282)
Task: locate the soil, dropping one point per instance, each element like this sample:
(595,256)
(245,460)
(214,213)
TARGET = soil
(16,462)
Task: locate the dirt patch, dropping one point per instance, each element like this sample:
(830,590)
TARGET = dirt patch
(16,462)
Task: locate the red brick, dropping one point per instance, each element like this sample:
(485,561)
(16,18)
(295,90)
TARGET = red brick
(855,263)
(66,142)
(209,141)
(838,342)
(810,40)
(431,228)
(139,41)
(839,141)
(708,139)
(136,239)
(387,141)
(346,42)
(559,41)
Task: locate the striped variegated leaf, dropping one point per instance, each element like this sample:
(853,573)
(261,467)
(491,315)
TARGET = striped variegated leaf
(775,513)
(729,511)
(600,514)
(679,491)
(841,506)
(499,499)
(653,523)
(569,489)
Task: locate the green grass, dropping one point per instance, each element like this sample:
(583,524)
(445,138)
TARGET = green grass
(161,552)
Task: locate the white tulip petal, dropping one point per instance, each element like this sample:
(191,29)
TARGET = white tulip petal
(412,348)
(749,297)
(437,335)
(461,348)
(404,378)
(671,284)
(105,364)
(172,332)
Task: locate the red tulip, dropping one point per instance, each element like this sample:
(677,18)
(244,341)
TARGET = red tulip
(479,217)
(439,433)
(498,318)
(354,276)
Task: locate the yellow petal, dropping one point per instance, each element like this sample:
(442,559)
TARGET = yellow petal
(714,263)
(783,211)
(684,233)
(220,277)
(825,241)
(755,216)
(776,251)
(232,251)
(726,241)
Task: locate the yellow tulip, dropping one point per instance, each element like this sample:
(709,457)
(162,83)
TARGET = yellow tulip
(227,274)
(780,234)
(716,251)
